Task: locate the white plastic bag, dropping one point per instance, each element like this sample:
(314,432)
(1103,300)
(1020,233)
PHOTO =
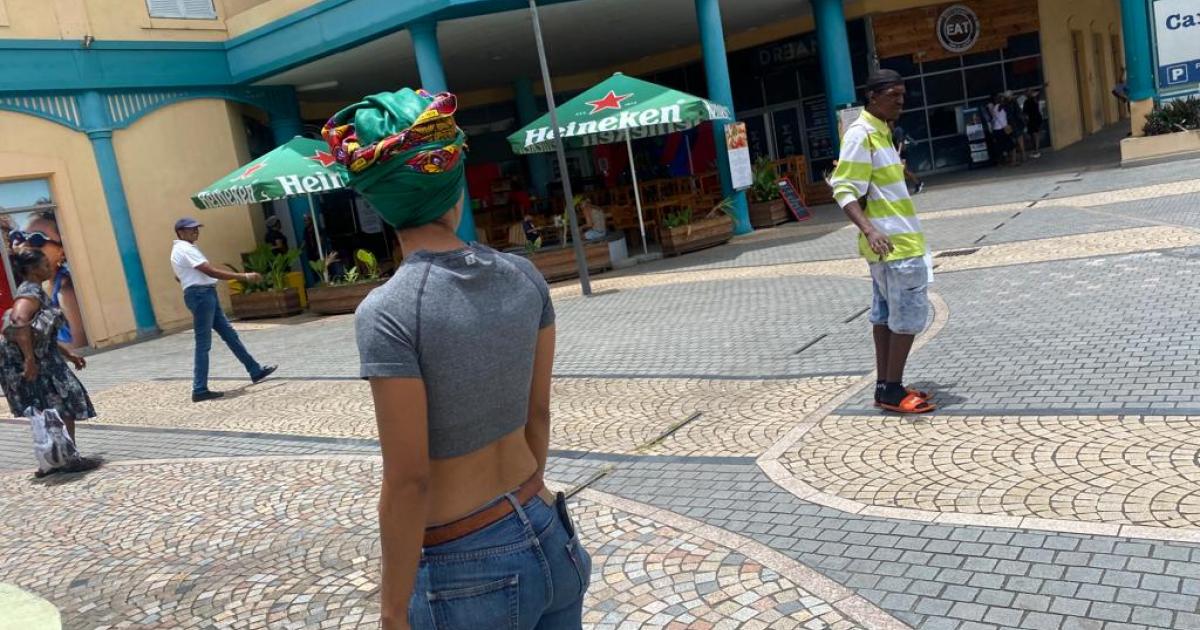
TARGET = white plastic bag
(52,446)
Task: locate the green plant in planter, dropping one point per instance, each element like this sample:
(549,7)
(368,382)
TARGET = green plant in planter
(370,264)
(321,267)
(679,218)
(271,266)
(1178,115)
(725,206)
(531,247)
(764,187)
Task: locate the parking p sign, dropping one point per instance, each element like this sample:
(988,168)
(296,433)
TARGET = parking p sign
(1177,31)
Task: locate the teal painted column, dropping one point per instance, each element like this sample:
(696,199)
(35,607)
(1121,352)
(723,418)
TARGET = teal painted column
(527,112)
(286,124)
(833,48)
(98,125)
(433,79)
(1139,51)
(716,72)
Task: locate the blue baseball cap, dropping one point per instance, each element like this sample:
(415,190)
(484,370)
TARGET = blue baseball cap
(187,223)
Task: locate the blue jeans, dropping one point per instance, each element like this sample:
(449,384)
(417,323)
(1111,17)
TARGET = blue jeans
(207,316)
(524,572)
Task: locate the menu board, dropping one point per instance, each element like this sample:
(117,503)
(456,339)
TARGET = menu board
(793,200)
(738,150)
(816,126)
(972,118)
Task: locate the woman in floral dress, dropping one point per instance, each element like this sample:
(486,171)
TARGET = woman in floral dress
(33,363)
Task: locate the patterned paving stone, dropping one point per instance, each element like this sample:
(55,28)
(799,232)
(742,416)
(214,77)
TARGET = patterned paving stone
(294,544)
(1115,469)
(319,408)
(649,575)
(736,417)
(932,575)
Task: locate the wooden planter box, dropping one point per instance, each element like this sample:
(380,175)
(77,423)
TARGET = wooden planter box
(1155,149)
(338,300)
(698,234)
(266,304)
(768,213)
(559,263)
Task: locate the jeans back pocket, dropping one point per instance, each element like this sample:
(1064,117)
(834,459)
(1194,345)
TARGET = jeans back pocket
(495,605)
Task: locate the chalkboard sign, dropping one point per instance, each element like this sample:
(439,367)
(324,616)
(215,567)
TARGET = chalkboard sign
(793,200)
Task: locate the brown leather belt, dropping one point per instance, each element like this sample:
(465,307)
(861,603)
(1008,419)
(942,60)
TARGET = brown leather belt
(454,530)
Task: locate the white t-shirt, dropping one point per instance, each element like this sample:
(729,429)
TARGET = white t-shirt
(999,117)
(185,257)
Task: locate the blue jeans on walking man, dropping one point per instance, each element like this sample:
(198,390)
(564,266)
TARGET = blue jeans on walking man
(207,317)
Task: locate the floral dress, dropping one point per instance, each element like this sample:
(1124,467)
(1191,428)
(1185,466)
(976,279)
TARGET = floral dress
(55,387)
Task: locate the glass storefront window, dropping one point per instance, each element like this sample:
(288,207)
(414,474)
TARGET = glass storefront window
(781,87)
(914,124)
(984,81)
(944,88)
(812,82)
(943,121)
(756,136)
(938,65)
(1023,73)
(914,93)
(747,92)
(991,56)
(1023,46)
(951,152)
(904,65)
(787,132)
(919,157)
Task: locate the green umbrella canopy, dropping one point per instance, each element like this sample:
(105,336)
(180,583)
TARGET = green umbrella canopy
(301,166)
(618,105)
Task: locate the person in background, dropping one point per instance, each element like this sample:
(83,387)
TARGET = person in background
(311,251)
(530,229)
(275,237)
(1034,121)
(890,239)
(900,140)
(458,348)
(42,233)
(199,279)
(1016,122)
(596,226)
(1001,131)
(33,362)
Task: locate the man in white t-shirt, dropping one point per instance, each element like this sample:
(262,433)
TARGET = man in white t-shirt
(199,280)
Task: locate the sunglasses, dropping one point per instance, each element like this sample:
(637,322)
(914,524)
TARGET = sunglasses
(33,239)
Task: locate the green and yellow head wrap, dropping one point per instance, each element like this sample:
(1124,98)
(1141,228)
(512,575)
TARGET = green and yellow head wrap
(403,152)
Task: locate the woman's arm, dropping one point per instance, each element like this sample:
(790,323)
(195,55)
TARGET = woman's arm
(537,424)
(69,354)
(400,411)
(23,312)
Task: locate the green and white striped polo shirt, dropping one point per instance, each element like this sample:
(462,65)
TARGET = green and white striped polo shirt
(869,166)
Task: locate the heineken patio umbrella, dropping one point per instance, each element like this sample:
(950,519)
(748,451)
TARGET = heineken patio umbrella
(299,167)
(620,108)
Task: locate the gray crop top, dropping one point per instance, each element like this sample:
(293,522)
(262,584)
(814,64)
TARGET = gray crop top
(466,322)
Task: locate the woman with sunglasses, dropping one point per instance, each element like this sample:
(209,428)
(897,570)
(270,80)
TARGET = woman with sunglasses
(458,348)
(33,363)
(42,233)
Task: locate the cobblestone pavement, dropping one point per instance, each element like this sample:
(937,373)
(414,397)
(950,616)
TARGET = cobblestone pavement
(713,413)
(235,554)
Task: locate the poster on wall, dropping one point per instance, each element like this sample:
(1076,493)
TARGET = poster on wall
(29,220)
(846,117)
(369,220)
(1177,38)
(976,136)
(739,155)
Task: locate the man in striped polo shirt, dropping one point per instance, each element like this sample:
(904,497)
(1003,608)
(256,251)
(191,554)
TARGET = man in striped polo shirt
(870,173)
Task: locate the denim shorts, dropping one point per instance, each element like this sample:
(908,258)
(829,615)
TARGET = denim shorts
(526,571)
(900,297)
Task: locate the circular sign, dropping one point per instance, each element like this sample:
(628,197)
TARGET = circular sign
(958,29)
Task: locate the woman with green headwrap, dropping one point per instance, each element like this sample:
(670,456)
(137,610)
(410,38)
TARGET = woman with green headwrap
(458,348)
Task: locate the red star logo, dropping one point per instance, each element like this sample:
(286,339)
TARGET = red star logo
(326,159)
(610,101)
(252,170)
